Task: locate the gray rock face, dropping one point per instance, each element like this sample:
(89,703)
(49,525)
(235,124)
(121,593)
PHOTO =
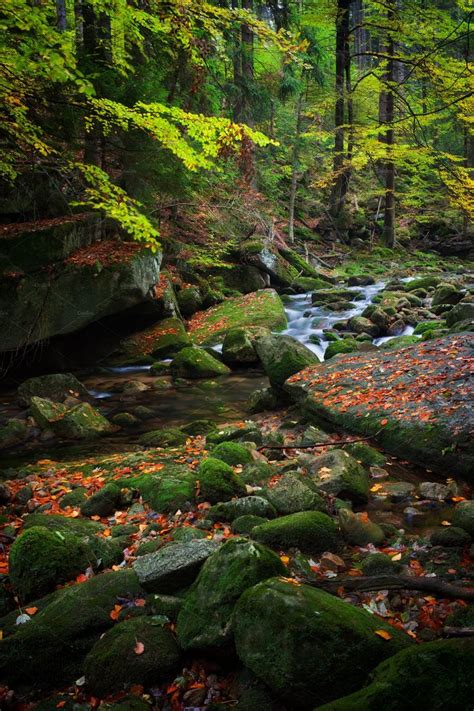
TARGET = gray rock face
(43,305)
(282,356)
(291,494)
(56,387)
(339,474)
(173,567)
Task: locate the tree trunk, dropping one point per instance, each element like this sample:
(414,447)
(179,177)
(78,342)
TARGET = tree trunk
(342,44)
(247,67)
(61,15)
(389,138)
(237,70)
(294,168)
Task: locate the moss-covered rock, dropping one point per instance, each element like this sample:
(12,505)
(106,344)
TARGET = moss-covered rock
(249,432)
(282,356)
(243,525)
(64,631)
(238,349)
(436,676)
(367,455)
(311,531)
(424,282)
(205,618)
(378,564)
(345,345)
(262,399)
(257,472)
(125,420)
(450,537)
(55,387)
(189,300)
(326,296)
(359,530)
(292,494)
(260,309)
(173,567)
(359,324)
(188,533)
(339,474)
(40,560)
(446,293)
(81,422)
(463,516)
(248,505)
(320,639)
(198,427)
(113,663)
(46,411)
(73,498)
(103,503)
(399,342)
(194,362)
(62,524)
(14,432)
(218,481)
(169,437)
(161,340)
(232,453)
(174,488)
(464,311)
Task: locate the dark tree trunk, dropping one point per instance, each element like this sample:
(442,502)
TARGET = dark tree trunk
(342,62)
(61,15)
(389,135)
(247,67)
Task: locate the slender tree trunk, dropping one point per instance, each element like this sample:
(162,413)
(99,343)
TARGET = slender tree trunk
(61,15)
(342,44)
(389,167)
(294,168)
(237,70)
(247,66)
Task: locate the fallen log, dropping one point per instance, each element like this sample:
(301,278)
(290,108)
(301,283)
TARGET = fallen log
(458,632)
(433,586)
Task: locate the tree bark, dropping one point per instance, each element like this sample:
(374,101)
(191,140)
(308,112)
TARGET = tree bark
(294,168)
(61,15)
(342,44)
(389,167)
(394,582)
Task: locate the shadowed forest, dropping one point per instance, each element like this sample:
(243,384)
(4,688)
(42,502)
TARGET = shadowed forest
(236,355)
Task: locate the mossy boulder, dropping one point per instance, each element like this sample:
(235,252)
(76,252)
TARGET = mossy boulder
(327,296)
(262,399)
(257,472)
(173,567)
(198,427)
(260,309)
(462,312)
(172,489)
(446,293)
(194,362)
(399,342)
(311,531)
(218,481)
(13,433)
(205,618)
(424,282)
(292,494)
(282,356)
(103,503)
(339,474)
(45,411)
(73,498)
(359,324)
(436,676)
(41,559)
(243,525)
(125,420)
(113,663)
(378,564)
(232,453)
(345,345)
(359,530)
(63,524)
(325,645)
(189,300)
(169,437)
(64,631)
(247,505)
(463,516)
(55,387)
(367,455)
(450,537)
(82,422)
(188,533)
(161,340)
(238,349)
(249,432)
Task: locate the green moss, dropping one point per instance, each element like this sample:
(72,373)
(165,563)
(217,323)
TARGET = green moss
(218,481)
(55,522)
(436,676)
(422,283)
(113,663)
(248,433)
(103,502)
(257,472)
(189,300)
(310,531)
(41,559)
(161,340)
(64,631)
(250,505)
(171,437)
(74,497)
(451,537)
(232,453)
(45,411)
(463,516)
(188,533)
(196,363)
(358,530)
(81,422)
(320,639)
(282,356)
(399,342)
(369,456)
(378,564)
(244,524)
(292,494)
(261,308)
(346,345)
(172,489)
(424,326)
(198,427)
(237,348)
(204,620)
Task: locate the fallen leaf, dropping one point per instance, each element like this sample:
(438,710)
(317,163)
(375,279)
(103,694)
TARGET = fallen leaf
(284,559)
(115,612)
(31,610)
(139,648)
(384,634)
(384,422)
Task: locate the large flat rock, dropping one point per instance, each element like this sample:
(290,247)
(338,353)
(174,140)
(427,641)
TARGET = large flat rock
(417,402)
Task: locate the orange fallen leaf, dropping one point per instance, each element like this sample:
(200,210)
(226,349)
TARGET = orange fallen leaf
(384,634)
(139,648)
(115,612)
(284,559)
(384,422)
(31,610)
